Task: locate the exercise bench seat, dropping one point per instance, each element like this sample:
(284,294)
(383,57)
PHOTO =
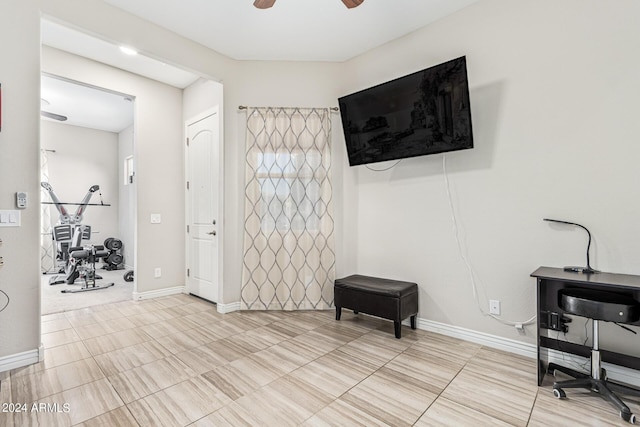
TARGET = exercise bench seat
(389,299)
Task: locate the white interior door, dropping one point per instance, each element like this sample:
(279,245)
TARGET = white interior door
(203,203)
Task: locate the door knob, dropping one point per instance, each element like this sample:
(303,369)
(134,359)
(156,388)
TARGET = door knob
(212,233)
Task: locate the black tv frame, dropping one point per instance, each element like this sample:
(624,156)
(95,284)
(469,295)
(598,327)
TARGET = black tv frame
(423,113)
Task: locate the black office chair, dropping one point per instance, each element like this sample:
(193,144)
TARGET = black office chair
(598,305)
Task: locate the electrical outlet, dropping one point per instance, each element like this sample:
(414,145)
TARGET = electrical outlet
(157,272)
(494,307)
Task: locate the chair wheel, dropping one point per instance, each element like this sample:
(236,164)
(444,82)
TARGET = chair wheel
(631,418)
(560,394)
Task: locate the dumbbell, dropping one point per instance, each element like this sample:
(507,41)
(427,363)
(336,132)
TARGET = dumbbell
(113,244)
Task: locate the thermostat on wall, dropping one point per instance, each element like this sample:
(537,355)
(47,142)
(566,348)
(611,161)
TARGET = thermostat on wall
(21,200)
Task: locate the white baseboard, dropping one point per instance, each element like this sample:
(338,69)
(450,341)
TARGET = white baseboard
(19,360)
(614,372)
(228,308)
(139,296)
(493,341)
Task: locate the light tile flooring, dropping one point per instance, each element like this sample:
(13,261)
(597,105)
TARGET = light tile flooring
(175,361)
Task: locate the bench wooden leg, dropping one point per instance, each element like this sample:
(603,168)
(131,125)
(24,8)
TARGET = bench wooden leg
(413,321)
(397,326)
(338,312)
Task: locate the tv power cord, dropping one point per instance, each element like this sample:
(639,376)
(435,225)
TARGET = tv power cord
(6,304)
(472,274)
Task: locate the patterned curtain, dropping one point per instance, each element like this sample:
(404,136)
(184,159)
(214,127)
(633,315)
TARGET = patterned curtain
(47,251)
(289,255)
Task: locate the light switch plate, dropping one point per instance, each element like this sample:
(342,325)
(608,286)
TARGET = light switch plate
(9,218)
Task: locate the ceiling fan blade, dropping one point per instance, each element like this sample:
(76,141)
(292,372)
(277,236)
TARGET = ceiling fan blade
(53,116)
(351,3)
(263,4)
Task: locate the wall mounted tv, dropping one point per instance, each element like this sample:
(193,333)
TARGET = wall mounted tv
(426,112)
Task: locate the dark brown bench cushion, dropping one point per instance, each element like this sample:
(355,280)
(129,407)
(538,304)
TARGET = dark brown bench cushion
(390,299)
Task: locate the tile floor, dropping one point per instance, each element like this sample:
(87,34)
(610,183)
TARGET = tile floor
(175,361)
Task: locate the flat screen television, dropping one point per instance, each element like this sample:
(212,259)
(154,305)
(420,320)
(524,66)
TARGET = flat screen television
(426,112)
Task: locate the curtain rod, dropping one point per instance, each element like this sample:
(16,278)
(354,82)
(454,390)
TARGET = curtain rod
(244,107)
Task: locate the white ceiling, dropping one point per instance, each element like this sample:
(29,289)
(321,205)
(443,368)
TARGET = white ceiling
(295,30)
(82,44)
(86,106)
(90,107)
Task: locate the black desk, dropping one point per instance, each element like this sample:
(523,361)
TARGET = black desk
(550,281)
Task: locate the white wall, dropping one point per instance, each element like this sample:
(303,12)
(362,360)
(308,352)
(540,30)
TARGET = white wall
(201,96)
(20,171)
(84,157)
(554,93)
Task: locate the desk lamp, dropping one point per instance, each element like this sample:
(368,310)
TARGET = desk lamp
(587,269)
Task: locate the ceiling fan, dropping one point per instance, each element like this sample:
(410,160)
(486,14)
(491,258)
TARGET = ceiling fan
(266,4)
(49,115)
(53,116)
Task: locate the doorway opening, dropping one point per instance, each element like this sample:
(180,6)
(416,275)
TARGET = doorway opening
(165,97)
(87,195)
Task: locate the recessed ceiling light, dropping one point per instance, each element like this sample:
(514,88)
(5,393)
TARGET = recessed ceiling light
(128,50)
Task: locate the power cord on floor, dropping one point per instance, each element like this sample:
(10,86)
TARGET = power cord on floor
(467,262)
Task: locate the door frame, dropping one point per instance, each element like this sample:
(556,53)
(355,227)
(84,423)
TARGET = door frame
(220,214)
(63,76)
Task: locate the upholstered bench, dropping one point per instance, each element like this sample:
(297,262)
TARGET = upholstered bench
(389,299)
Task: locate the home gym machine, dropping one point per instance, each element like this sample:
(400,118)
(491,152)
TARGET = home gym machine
(84,258)
(74,259)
